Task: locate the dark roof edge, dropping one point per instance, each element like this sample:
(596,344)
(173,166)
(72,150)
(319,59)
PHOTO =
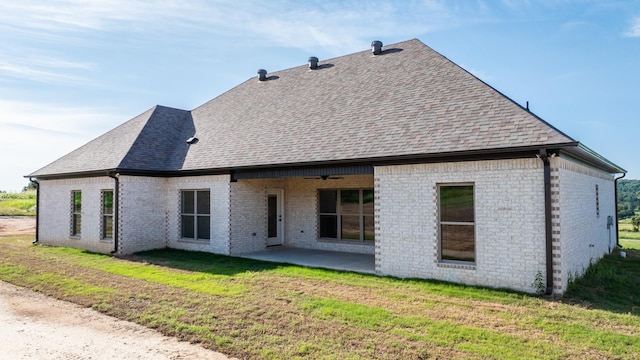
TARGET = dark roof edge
(585,154)
(468,155)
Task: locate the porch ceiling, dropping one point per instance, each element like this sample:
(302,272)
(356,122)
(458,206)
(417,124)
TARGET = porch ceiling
(302,171)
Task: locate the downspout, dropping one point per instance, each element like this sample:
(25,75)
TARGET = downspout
(615,192)
(116,197)
(37,209)
(547,217)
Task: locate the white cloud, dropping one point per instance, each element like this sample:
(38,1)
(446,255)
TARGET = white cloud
(338,26)
(76,121)
(35,134)
(46,70)
(634,29)
(50,42)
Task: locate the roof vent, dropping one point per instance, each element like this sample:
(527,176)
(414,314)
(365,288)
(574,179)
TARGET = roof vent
(376,47)
(262,75)
(192,140)
(313,63)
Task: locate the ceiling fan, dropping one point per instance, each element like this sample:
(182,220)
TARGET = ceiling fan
(324,177)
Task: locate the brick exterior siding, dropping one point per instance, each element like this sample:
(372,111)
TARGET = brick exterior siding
(509,222)
(509,217)
(580,231)
(55,213)
(218,185)
(142,214)
(249,213)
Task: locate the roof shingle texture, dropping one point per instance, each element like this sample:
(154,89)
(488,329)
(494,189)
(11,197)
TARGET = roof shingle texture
(153,140)
(409,100)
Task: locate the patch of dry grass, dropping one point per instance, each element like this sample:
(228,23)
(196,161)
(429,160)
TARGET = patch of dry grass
(251,309)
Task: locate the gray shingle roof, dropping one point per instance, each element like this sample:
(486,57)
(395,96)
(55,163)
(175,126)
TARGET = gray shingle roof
(408,101)
(153,140)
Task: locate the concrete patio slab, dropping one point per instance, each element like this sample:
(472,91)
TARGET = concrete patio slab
(361,263)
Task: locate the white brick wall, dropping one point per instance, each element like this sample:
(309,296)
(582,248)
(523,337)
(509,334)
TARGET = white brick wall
(149,213)
(55,213)
(142,220)
(509,223)
(218,185)
(302,225)
(249,213)
(509,205)
(580,235)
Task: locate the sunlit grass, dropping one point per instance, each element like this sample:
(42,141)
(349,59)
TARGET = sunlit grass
(21,203)
(253,309)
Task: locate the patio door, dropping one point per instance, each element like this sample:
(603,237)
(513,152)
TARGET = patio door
(275,217)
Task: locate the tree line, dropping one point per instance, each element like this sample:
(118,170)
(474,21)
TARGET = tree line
(628,198)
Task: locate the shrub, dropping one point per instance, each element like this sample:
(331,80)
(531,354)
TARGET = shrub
(635,221)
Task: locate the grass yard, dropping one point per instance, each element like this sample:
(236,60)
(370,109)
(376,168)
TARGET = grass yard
(258,310)
(625,230)
(22,203)
(630,244)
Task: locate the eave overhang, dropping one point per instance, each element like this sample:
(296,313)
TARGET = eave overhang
(585,154)
(354,166)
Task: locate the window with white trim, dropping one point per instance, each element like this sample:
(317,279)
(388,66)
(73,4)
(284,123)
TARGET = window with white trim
(76,212)
(107,214)
(457,223)
(346,214)
(195,214)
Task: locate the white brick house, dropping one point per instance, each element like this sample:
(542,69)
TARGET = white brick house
(399,154)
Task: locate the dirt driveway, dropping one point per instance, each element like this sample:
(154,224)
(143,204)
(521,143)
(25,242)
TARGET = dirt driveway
(17,225)
(35,326)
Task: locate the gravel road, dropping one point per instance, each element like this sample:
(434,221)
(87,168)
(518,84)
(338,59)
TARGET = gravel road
(35,326)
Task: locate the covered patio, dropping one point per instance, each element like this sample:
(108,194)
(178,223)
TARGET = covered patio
(334,260)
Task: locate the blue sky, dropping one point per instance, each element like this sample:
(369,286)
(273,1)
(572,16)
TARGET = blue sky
(71,70)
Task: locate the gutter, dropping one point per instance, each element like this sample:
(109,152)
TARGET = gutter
(615,192)
(37,210)
(116,202)
(547,217)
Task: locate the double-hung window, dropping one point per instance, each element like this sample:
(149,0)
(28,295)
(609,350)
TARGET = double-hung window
(195,214)
(107,214)
(346,214)
(457,223)
(76,212)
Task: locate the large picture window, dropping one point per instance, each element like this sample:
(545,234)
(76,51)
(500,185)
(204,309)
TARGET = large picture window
(346,214)
(76,212)
(195,214)
(457,223)
(107,214)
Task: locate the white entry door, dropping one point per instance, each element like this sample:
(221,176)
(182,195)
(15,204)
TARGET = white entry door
(275,217)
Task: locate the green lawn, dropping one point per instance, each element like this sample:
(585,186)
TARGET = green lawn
(22,203)
(258,310)
(625,230)
(630,244)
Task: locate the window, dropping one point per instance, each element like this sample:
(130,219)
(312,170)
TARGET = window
(195,214)
(107,214)
(76,212)
(346,214)
(457,223)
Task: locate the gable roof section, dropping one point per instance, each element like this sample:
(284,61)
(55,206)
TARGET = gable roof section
(153,140)
(408,102)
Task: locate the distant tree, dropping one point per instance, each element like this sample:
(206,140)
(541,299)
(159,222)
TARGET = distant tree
(635,221)
(31,186)
(628,197)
